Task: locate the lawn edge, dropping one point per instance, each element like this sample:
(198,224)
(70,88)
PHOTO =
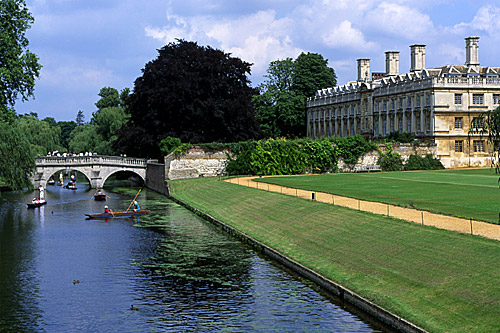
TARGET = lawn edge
(328,285)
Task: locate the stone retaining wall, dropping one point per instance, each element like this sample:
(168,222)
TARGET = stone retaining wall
(195,163)
(403,149)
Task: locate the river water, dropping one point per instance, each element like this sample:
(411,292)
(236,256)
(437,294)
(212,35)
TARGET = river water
(61,273)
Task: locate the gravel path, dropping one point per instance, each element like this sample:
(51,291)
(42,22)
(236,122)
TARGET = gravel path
(484,229)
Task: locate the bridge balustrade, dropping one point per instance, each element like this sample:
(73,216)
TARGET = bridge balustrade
(94,160)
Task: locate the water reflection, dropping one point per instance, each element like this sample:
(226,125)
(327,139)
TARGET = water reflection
(179,271)
(18,274)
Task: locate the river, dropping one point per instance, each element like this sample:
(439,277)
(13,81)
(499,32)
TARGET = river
(60,272)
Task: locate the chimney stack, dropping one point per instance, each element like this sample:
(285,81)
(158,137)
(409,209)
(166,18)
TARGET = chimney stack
(472,52)
(392,62)
(417,57)
(363,69)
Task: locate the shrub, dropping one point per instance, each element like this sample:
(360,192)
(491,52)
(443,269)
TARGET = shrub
(169,144)
(390,161)
(417,162)
(401,137)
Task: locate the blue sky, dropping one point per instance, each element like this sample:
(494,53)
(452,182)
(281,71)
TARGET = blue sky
(86,45)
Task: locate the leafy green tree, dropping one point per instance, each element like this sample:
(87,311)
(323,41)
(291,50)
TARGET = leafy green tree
(42,135)
(97,135)
(66,128)
(191,92)
(18,66)
(16,165)
(80,118)
(312,73)
(83,139)
(108,121)
(279,109)
(18,70)
(281,105)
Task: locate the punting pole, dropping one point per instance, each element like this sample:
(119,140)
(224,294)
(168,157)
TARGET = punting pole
(134,199)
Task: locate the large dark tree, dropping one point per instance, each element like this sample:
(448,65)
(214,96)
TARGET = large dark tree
(195,93)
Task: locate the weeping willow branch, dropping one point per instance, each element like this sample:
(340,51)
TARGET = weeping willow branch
(487,125)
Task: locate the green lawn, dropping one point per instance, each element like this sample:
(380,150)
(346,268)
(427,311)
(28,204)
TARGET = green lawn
(440,280)
(472,193)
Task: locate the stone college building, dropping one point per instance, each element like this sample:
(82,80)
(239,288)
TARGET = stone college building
(436,104)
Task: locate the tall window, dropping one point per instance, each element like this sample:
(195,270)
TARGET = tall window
(478,99)
(478,146)
(427,99)
(427,123)
(392,124)
(400,124)
(459,146)
(418,129)
(496,98)
(458,122)
(376,127)
(408,101)
(408,123)
(418,101)
(384,127)
(458,99)
(377,104)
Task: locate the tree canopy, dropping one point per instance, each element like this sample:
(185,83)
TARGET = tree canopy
(191,92)
(97,135)
(18,66)
(281,105)
(18,70)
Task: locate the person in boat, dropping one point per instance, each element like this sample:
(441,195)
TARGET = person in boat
(107,210)
(42,193)
(137,207)
(99,192)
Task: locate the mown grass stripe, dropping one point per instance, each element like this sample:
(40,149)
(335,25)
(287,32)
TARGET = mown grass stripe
(439,280)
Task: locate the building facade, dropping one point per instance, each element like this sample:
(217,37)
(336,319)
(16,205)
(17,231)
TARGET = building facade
(438,104)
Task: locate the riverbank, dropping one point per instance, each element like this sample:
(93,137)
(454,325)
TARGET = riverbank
(436,279)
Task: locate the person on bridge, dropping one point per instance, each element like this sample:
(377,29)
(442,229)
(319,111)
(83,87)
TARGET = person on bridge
(137,207)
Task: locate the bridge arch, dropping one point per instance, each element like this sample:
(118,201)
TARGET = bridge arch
(96,168)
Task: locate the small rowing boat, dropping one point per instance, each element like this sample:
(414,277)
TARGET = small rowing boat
(99,196)
(117,214)
(37,203)
(70,186)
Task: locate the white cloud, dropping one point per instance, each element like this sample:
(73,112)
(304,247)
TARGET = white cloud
(486,19)
(258,38)
(345,36)
(398,20)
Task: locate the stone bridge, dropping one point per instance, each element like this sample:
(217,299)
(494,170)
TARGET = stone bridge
(96,168)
